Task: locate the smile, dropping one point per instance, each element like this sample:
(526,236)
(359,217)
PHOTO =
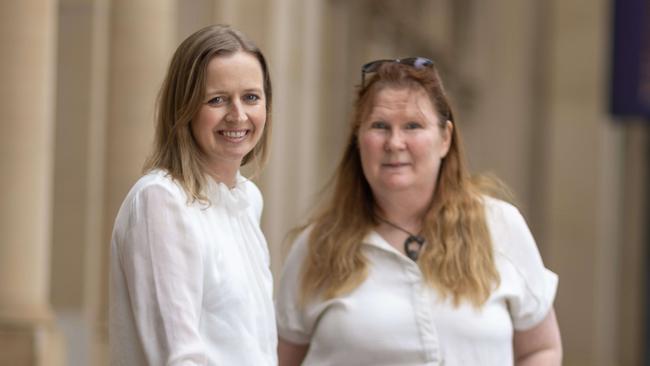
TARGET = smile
(233,134)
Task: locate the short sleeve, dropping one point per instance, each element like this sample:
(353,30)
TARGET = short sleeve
(537,284)
(160,255)
(292,323)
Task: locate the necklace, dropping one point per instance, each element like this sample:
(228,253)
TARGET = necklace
(412,245)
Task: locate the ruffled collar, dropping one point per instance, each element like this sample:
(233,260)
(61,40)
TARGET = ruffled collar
(233,199)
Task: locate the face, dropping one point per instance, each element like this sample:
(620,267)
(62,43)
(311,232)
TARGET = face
(401,142)
(231,119)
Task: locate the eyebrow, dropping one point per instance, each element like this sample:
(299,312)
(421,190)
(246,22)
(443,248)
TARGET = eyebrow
(219,91)
(387,115)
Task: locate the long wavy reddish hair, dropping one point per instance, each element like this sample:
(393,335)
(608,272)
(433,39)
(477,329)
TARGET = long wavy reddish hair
(457,259)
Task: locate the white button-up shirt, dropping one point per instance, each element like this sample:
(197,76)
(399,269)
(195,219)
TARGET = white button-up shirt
(190,282)
(395,318)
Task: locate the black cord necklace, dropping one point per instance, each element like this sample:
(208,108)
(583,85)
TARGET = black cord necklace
(412,245)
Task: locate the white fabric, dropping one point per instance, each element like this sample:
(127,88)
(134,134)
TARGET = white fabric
(190,283)
(394,318)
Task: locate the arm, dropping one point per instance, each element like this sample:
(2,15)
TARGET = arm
(162,261)
(291,354)
(540,345)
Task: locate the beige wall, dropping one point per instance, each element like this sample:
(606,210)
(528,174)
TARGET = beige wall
(583,144)
(28,334)
(529,81)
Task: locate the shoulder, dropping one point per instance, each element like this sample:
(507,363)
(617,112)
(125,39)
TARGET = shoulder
(503,218)
(157,180)
(251,189)
(509,231)
(253,195)
(152,195)
(496,208)
(153,189)
(511,238)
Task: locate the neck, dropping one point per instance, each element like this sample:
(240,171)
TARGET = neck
(224,173)
(401,222)
(406,210)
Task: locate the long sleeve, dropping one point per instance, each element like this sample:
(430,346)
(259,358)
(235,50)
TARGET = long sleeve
(190,282)
(161,256)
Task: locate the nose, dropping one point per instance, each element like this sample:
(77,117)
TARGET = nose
(395,141)
(236,113)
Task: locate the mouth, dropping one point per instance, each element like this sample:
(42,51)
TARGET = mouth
(233,135)
(395,165)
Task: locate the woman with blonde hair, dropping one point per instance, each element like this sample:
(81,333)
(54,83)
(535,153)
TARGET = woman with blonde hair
(190,276)
(411,262)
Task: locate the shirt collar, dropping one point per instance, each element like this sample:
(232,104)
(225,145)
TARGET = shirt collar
(375,240)
(233,199)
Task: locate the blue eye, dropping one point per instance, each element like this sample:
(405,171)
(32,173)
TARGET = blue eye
(379,125)
(252,98)
(413,125)
(216,101)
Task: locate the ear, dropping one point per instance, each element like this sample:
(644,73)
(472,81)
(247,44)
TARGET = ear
(447,133)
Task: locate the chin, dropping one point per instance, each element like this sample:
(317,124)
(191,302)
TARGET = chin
(242,150)
(398,185)
(233,155)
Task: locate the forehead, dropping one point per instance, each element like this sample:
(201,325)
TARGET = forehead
(238,69)
(410,101)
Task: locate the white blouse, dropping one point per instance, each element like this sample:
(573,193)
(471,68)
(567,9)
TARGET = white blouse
(394,318)
(190,283)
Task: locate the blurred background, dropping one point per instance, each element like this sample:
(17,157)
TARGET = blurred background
(551,96)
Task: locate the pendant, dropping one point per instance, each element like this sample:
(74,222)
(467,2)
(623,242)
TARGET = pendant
(412,246)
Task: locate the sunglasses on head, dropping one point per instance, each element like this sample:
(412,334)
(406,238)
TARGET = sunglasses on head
(373,66)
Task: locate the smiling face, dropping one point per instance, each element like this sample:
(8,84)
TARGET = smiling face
(231,119)
(402,141)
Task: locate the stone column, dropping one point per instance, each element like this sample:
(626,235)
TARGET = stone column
(142,35)
(288,182)
(634,245)
(95,244)
(583,184)
(496,116)
(28,35)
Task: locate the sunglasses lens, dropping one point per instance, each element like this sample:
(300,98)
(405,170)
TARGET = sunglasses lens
(417,62)
(421,62)
(373,66)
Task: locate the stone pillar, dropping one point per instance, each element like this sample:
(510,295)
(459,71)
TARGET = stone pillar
(495,91)
(142,36)
(634,245)
(289,180)
(583,183)
(78,169)
(28,35)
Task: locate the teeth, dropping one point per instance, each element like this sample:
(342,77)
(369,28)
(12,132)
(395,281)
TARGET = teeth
(234,134)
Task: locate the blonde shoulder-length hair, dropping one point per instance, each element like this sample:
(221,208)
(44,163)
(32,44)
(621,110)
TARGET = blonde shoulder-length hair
(180,98)
(457,259)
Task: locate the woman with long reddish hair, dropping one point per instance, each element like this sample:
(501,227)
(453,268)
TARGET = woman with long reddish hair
(411,261)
